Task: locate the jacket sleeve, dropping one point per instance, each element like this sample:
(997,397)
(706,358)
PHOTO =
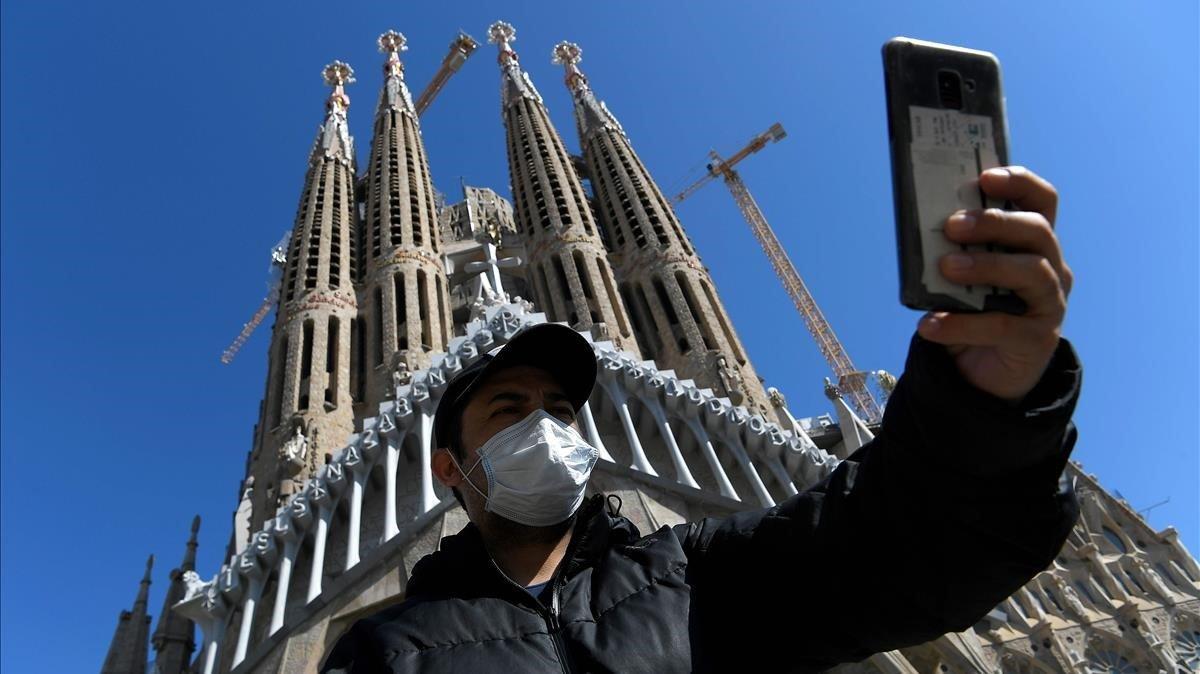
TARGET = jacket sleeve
(356,652)
(955,504)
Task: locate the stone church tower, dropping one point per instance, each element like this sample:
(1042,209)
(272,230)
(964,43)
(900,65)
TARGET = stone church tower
(386,294)
(571,276)
(679,321)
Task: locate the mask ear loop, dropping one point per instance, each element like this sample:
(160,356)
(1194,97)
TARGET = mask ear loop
(467,473)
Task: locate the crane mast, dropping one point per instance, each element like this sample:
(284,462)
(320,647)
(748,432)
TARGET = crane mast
(850,380)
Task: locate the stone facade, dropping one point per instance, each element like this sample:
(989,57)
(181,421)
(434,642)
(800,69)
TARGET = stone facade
(677,316)
(339,501)
(572,277)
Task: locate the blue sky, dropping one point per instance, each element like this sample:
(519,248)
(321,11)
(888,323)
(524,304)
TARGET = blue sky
(152,153)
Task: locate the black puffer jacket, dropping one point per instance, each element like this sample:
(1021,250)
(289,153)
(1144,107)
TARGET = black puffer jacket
(955,504)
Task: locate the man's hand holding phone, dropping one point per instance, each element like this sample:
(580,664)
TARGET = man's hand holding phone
(1001,353)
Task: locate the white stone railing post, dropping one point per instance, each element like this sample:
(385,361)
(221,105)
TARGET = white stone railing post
(323,499)
(254,563)
(390,526)
(684,475)
(781,475)
(621,403)
(710,457)
(592,432)
(359,470)
(287,531)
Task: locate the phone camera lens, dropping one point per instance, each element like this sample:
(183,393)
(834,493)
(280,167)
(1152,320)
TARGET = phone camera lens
(950,89)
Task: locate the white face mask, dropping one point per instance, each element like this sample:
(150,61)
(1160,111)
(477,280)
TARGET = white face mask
(537,470)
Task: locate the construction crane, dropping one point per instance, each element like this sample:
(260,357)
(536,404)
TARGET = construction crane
(460,50)
(278,259)
(850,380)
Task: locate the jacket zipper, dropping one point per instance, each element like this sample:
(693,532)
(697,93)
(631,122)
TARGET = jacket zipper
(559,647)
(550,615)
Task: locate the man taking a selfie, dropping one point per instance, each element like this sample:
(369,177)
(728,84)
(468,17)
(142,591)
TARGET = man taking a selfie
(955,504)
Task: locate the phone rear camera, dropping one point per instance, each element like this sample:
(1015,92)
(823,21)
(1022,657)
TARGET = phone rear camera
(950,89)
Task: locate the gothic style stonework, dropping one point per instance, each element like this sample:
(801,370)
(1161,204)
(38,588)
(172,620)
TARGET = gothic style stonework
(677,316)
(387,293)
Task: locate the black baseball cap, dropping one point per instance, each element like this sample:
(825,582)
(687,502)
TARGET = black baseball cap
(552,347)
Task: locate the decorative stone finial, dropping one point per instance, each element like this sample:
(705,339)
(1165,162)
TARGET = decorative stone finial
(568,55)
(149,566)
(337,74)
(501,33)
(195,525)
(392,42)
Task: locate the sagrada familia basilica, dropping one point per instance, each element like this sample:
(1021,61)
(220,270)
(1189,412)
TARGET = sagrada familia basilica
(386,291)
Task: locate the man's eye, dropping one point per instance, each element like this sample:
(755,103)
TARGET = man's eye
(505,410)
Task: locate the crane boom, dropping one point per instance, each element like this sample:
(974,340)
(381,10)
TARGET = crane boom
(771,135)
(850,380)
(460,50)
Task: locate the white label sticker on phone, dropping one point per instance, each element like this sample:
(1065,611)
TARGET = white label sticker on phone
(949,151)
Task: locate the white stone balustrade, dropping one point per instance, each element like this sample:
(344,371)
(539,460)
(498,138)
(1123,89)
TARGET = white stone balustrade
(669,406)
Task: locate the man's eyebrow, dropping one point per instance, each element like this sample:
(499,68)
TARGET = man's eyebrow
(512,396)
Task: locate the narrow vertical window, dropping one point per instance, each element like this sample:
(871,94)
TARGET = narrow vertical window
(281,370)
(443,317)
(378,326)
(720,313)
(648,317)
(586,281)
(331,362)
(548,293)
(565,287)
(356,357)
(423,311)
(619,308)
(401,309)
(701,324)
(672,317)
(306,349)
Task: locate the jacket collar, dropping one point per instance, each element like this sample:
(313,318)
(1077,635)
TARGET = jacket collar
(461,567)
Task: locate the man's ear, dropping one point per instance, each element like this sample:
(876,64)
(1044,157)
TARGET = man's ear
(442,465)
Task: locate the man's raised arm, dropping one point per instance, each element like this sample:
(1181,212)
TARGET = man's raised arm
(955,504)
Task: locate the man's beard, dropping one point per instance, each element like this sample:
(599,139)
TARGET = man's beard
(509,533)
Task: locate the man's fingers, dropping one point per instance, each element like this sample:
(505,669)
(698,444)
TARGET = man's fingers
(1026,231)
(1026,189)
(987,329)
(1031,276)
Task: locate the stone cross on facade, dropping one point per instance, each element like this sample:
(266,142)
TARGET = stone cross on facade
(489,268)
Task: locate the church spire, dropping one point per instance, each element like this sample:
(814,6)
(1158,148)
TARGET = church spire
(677,317)
(174,636)
(308,407)
(395,94)
(406,293)
(127,651)
(334,141)
(568,267)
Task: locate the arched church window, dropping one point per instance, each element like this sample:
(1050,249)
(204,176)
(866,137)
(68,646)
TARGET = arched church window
(1110,662)
(1115,539)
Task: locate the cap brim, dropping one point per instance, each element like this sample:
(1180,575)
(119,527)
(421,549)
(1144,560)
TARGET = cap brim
(557,349)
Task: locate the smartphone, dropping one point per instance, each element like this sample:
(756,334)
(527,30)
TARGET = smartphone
(946,125)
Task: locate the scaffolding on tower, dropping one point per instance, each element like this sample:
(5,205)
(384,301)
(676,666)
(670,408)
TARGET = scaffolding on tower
(850,380)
